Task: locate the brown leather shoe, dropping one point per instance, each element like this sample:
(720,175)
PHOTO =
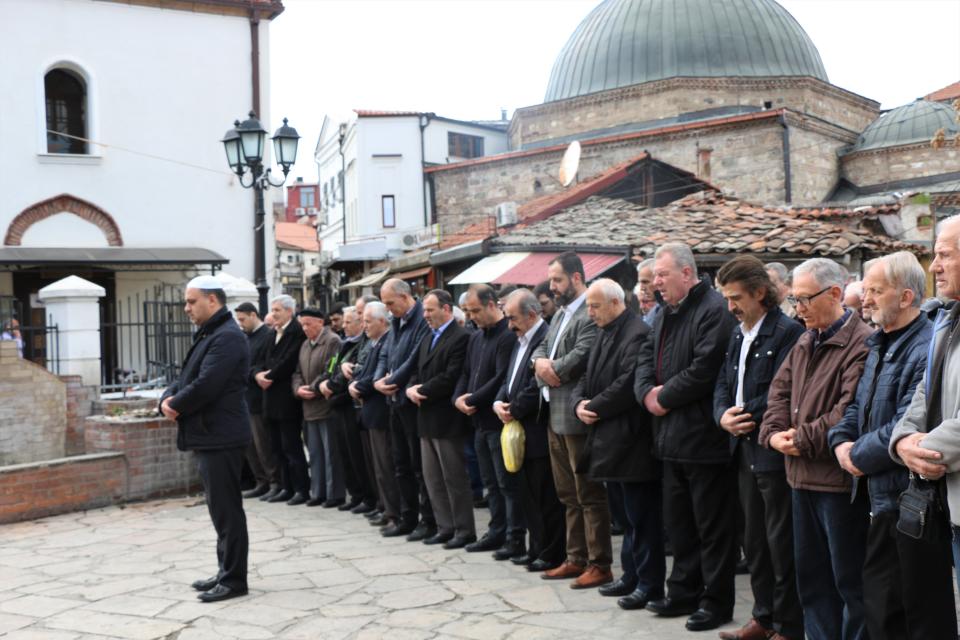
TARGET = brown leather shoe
(563,572)
(594,576)
(753,630)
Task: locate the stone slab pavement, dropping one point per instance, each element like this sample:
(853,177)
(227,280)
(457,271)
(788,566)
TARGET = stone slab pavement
(125,572)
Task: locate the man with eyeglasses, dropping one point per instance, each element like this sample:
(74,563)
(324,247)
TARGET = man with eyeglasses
(808,396)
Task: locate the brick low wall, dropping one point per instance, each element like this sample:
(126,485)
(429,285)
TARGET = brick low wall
(33,410)
(38,489)
(80,403)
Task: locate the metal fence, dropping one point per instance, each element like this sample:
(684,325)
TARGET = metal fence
(36,343)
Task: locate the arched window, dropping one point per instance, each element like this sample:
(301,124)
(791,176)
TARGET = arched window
(66,101)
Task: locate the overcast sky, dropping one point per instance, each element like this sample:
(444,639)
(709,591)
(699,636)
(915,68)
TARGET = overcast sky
(468,59)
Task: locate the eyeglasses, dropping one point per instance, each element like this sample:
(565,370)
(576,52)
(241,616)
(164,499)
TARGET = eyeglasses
(806,300)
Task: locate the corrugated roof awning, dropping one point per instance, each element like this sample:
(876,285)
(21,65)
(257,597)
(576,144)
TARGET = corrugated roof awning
(413,273)
(367,281)
(129,257)
(486,270)
(532,270)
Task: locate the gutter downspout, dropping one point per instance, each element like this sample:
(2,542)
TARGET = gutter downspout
(343,185)
(785,144)
(424,122)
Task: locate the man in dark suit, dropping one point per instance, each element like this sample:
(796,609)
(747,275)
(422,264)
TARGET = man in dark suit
(260,455)
(620,444)
(488,352)
(209,405)
(395,366)
(519,399)
(283,411)
(443,430)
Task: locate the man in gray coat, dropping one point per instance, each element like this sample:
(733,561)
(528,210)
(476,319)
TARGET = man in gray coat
(927,438)
(559,362)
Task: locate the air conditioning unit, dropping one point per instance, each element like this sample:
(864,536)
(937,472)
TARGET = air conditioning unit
(312,211)
(506,214)
(301,212)
(409,241)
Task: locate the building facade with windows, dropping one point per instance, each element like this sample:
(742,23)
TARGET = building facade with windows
(113,169)
(303,201)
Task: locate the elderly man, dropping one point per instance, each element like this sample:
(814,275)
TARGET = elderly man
(780,277)
(558,363)
(374,414)
(926,439)
(676,374)
(896,567)
(396,364)
(649,307)
(282,410)
(808,395)
(318,355)
(208,403)
(443,430)
(756,349)
(519,399)
(620,443)
(484,370)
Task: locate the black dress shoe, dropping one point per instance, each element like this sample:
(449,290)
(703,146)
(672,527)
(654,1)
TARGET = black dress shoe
(221,592)
(512,549)
(315,502)
(297,499)
(330,504)
(486,543)
(348,505)
(458,542)
(541,565)
(522,561)
(257,491)
(396,530)
(363,508)
(439,537)
(422,532)
(668,608)
(703,620)
(617,588)
(269,494)
(280,496)
(616,530)
(636,600)
(206,585)
(480,503)
(380,521)
(373,515)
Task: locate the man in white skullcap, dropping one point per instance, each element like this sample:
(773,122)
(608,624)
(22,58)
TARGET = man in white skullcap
(208,402)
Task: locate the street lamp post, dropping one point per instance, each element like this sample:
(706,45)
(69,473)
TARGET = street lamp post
(244,146)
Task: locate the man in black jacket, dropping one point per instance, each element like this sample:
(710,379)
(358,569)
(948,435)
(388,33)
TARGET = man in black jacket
(519,398)
(488,353)
(260,454)
(443,430)
(396,364)
(676,374)
(620,443)
(755,351)
(283,411)
(208,402)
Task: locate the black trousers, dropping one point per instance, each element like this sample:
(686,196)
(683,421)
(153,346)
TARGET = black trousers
(768,545)
(287,436)
(351,448)
(407,464)
(545,514)
(367,446)
(699,511)
(907,583)
(220,473)
(641,554)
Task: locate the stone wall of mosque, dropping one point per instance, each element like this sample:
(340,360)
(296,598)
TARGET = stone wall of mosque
(872,167)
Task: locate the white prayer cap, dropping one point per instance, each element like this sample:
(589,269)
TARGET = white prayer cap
(205,282)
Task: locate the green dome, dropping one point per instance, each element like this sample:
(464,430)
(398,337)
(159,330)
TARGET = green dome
(626,42)
(911,123)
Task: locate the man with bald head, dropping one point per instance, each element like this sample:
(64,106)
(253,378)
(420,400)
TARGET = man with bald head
(620,443)
(396,363)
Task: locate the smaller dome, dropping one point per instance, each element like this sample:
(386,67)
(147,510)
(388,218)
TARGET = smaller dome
(916,122)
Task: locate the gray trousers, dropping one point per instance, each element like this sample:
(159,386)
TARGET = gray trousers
(326,465)
(445,474)
(260,454)
(384,472)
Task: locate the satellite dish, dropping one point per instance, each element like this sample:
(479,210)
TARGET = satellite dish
(570,163)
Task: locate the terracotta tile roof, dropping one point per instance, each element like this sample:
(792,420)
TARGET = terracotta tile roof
(297,236)
(708,222)
(949,92)
(676,128)
(372,113)
(845,212)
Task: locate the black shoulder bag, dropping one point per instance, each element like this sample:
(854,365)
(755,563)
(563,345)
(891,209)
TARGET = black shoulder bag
(918,504)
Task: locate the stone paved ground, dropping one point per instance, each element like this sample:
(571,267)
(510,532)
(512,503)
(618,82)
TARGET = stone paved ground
(314,573)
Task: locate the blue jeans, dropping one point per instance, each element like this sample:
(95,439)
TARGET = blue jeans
(830,537)
(503,488)
(326,470)
(956,552)
(473,468)
(641,554)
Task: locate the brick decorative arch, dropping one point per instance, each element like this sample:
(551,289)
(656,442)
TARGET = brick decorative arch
(64,203)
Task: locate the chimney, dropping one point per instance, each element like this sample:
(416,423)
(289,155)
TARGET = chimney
(503,114)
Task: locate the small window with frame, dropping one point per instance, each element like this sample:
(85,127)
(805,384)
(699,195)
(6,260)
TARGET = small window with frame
(388,208)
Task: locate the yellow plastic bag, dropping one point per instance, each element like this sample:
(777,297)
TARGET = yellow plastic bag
(512,440)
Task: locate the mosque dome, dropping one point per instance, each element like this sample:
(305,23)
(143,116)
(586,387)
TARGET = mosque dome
(626,42)
(916,122)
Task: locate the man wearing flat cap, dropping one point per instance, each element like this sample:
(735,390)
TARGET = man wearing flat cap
(208,402)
